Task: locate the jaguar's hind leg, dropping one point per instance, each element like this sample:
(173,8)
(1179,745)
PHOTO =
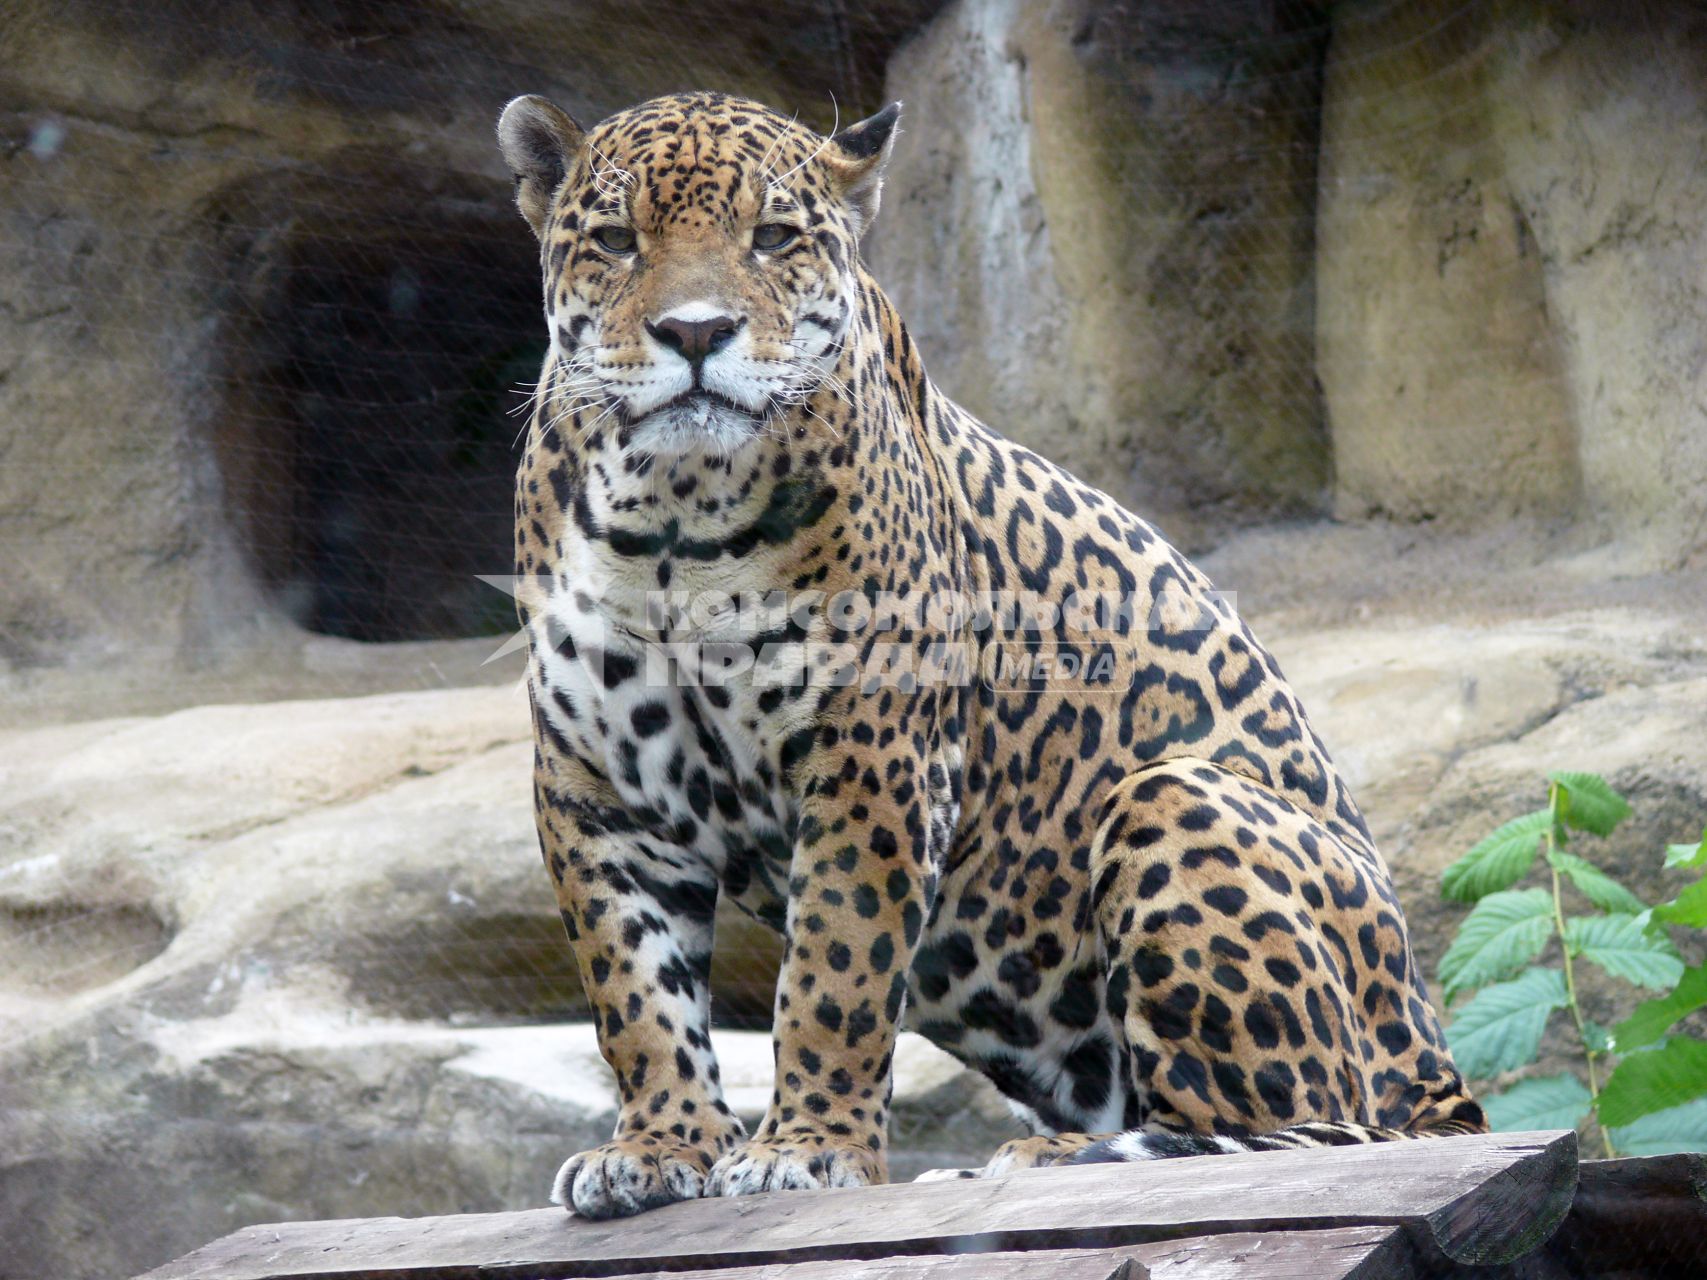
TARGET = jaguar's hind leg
(1260,967)
(1036,1152)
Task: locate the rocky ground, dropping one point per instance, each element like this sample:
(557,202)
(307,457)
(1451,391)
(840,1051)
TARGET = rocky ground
(287,956)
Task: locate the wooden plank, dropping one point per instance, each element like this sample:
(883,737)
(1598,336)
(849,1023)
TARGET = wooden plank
(1636,1217)
(1347,1253)
(1481,1199)
(1354,1253)
(1052,1264)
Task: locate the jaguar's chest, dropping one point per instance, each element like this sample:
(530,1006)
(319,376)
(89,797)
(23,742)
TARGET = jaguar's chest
(685,726)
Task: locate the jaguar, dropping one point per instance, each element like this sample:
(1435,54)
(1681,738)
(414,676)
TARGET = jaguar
(996,760)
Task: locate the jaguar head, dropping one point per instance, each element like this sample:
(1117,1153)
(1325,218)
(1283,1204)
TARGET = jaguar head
(700,255)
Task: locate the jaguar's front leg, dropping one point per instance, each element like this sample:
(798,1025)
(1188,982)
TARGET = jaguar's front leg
(857,903)
(641,931)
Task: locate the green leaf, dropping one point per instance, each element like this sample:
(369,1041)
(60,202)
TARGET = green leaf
(1505,932)
(1552,1102)
(1498,861)
(1594,884)
(1654,1080)
(1596,1038)
(1654,1018)
(1589,803)
(1500,1029)
(1688,856)
(1663,1132)
(1622,945)
(1689,907)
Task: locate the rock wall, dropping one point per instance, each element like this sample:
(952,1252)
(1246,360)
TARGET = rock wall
(1601,117)
(1443,374)
(1513,266)
(1420,261)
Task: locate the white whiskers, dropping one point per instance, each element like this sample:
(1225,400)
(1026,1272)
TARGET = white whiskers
(614,183)
(818,151)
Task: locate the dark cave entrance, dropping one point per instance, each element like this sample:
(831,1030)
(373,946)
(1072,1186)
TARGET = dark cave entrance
(376,349)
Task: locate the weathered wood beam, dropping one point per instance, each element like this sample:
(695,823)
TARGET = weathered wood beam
(1346,1253)
(1481,1199)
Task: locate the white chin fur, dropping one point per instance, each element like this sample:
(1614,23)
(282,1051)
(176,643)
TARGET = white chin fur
(714,428)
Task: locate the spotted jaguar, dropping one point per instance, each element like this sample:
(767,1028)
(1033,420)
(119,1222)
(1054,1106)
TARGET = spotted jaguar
(997,761)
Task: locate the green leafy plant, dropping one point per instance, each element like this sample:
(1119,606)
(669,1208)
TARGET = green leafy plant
(1644,1083)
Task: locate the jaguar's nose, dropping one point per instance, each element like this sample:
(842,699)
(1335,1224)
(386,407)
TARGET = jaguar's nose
(694,340)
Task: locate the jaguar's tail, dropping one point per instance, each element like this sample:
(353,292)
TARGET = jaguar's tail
(1144,1144)
(1446,1118)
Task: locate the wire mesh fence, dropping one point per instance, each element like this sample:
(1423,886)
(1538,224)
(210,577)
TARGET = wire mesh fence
(268,885)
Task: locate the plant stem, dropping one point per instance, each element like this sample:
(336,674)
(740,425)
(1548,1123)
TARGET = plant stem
(1554,794)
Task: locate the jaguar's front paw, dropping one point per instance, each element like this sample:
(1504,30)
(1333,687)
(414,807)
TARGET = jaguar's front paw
(794,1164)
(630,1176)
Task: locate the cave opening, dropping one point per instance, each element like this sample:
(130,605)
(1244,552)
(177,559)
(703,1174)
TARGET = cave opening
(381,346)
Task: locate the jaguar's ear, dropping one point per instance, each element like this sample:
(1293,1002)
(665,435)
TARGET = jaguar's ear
(857,156)
(538,139)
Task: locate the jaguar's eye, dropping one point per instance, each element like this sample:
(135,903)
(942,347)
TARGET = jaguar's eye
(774,235)
(614,239)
